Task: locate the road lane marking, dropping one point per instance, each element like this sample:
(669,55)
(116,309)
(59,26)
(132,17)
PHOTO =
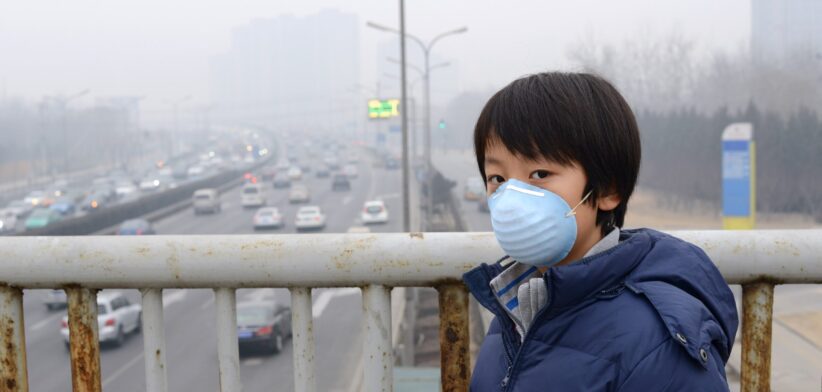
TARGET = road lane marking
(122,370)
(326,296)
(46,321)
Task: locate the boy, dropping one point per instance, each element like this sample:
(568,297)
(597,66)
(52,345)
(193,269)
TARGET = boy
(580,304)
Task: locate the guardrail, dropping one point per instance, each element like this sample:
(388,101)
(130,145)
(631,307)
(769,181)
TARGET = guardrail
(373,262)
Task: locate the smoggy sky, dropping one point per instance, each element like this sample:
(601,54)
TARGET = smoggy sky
(160,49)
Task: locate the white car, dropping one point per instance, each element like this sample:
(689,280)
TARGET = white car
(207,199)
(374,212)
(268,217)
(195,171)
(350,171)
(125,189)
(295,173)
(150,184)
(299,194)
(8,221)
(116,317)
(309,217)
(253,195)
(55,299)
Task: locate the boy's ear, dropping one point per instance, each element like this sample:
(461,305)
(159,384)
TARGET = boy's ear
(608,201)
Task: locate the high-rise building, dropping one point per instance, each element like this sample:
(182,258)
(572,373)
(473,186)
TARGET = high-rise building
(290,72)
(786,31)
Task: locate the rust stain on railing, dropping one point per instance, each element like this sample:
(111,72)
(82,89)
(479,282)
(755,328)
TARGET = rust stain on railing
(454,338)
(13,372)
(84,345)
(757,324)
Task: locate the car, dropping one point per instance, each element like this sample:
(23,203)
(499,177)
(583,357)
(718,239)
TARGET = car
(282,182)
(64,205)
(55,299)
(268,173)
(299,194)
(253,196)
(332,163)
(136,227)
(350,171)
(195,171)
(34,198)
(474,187)
(42,217)
(309,217)
(374,212)
(125,190)
(322,173)
(263,325)
(206,200)
(94,202)
(150,184)
(268,217)
(295,173)
(305,167)
(20,208)
(340,182)
(116,318)
(8,221)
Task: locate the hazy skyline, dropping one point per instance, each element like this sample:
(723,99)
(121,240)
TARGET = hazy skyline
(161,50)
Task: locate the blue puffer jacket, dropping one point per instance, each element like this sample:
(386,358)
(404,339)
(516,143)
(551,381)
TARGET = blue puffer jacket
(650,314)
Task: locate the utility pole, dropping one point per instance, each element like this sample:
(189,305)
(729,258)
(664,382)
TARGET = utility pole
(406,208)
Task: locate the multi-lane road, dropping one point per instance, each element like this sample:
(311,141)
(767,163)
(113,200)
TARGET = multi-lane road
(190,314)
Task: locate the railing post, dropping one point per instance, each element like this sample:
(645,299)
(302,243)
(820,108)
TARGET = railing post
(13,374)
(83,342)
(154,340)
(757,319)
(228,348)
(302,327)
(454,338)
(378,356)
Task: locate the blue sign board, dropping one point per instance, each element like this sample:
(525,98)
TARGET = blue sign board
(736,178)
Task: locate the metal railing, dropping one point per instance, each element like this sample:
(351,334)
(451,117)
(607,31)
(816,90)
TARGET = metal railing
(373,262)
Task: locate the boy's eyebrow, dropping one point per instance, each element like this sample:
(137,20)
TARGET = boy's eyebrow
(492,161)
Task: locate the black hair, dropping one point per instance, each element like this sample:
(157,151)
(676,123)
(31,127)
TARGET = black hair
(565,118)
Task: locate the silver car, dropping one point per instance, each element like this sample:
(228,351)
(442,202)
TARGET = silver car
(116,318)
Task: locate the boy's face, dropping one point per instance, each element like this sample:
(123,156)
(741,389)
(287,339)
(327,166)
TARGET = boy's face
(567,181)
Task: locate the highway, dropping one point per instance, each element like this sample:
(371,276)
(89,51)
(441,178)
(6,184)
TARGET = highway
(190,314)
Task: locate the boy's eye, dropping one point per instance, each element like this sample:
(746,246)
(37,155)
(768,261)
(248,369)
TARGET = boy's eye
(495,179)
(540,174)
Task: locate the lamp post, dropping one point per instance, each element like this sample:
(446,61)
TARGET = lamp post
(426,49)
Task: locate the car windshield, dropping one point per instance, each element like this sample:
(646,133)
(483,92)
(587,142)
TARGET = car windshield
(132,225)
(101,309)
(250,191)
(202,197)
(252,315)
(308,212)
(265,214)
(374,209)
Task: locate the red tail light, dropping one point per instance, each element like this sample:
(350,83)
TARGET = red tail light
(110,322)
(63,324)
(264,330)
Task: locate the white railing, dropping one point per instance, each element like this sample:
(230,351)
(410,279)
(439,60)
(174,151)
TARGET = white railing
(373,262)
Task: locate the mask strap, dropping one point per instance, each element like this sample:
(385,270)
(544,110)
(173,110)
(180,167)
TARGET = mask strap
(573,211)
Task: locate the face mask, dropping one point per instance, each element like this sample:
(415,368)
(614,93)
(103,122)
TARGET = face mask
(532,225)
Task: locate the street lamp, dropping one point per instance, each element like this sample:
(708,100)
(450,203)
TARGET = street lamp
(426,49)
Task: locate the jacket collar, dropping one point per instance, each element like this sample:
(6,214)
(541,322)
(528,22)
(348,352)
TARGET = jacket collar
(570,284)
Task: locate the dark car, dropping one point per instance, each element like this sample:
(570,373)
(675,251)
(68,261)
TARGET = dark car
(64,205)
(340,182)
(136,227)
(263,325)
(322,173)
(282,181)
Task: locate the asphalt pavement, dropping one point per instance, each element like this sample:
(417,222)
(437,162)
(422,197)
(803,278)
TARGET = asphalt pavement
(190,314)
